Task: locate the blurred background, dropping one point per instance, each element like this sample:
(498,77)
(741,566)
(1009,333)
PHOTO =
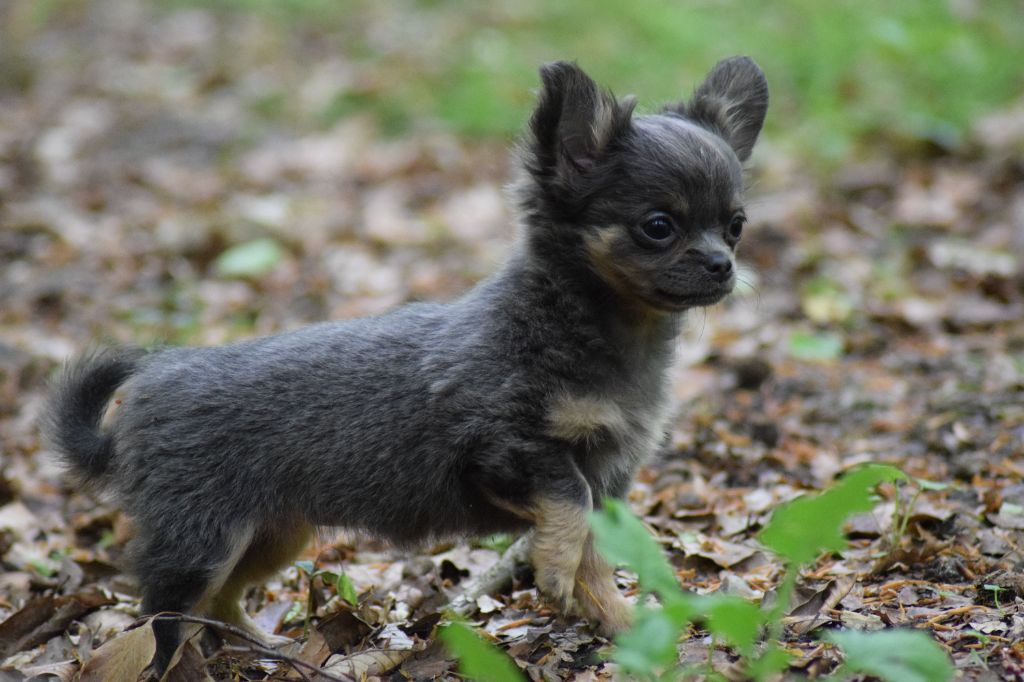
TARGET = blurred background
(197,172)
(180,170)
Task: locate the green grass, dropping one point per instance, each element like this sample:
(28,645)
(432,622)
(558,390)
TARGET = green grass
(843,74)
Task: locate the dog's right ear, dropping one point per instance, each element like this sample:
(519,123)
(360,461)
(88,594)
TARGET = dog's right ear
(732,101)
(574,121)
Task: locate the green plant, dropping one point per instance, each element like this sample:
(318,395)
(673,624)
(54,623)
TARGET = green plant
(904,510)
(996,590)
(342,585)
(798,532)
(478,660)
(843,74)
(499,542)
(904,655)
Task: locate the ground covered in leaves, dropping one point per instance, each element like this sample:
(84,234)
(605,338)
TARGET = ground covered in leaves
(146,196)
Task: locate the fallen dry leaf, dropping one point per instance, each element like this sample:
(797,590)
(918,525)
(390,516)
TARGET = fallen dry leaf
(44,617)
(810,613)
(123,658)
(367,663)
(722,552)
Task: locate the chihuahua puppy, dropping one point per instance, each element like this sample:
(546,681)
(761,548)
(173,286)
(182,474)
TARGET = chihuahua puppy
(521,405)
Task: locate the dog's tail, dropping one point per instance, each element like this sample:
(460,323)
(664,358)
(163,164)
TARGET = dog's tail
(77,402)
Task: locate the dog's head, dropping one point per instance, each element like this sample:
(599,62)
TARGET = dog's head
(653,203)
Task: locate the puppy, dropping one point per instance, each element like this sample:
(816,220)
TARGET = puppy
(521,405)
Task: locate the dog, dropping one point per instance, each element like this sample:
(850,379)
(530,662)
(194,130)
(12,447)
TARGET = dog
(519,406)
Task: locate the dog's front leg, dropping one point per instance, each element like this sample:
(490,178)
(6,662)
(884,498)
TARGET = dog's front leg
(559,540)
(597,595)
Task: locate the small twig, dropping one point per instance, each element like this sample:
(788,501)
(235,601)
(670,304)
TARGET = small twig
(959,611)
(493,579)
(253,645)
(219,625)
(514,624)
(894,585)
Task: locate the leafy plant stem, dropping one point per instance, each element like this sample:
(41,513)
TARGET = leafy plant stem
(709,665)
(783,596)
(903,513)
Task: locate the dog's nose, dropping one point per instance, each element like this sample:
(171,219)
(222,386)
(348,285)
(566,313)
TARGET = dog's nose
(718,264)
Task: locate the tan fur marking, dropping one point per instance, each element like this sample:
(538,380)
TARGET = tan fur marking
(599,250)
(239,546)
(602,126)
(583,419)
(558,548)
(526,513)
(599,246)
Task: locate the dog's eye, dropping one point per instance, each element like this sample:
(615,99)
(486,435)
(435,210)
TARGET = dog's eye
(736,227)
(658,228)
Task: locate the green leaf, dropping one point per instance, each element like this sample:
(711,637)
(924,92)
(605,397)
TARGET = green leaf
(623,539)
(41,567)
(650,645)
(295,612)
(773,661)
(106,539)
(346,589)
(735,620)
(815,347)
(499,542)
(925,484)
(824,301)
(478,660)
(250,259)
(894,655)
(804,528)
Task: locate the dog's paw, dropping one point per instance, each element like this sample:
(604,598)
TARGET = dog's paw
(557,588)
(615,617)
(603,605)
(275,641)
(269,640)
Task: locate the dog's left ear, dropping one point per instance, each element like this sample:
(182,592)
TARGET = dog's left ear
(732,101)
(574,122)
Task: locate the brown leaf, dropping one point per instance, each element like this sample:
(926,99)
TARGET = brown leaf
(63,671)
(343,630)
(723,553)
(188,663)
(807,615)
(366,663)
(909,556)
(123,658)
(315,650)
(1010,516)
(43,617)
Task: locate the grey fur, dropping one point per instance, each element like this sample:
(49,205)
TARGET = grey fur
(435,420)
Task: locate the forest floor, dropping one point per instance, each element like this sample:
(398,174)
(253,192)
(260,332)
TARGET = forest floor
(146,197)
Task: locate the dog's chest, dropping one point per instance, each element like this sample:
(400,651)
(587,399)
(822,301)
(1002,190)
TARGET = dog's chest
(612,432)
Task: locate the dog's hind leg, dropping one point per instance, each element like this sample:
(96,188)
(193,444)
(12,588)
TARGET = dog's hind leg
(177,565)
(266,554)
(175,592)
